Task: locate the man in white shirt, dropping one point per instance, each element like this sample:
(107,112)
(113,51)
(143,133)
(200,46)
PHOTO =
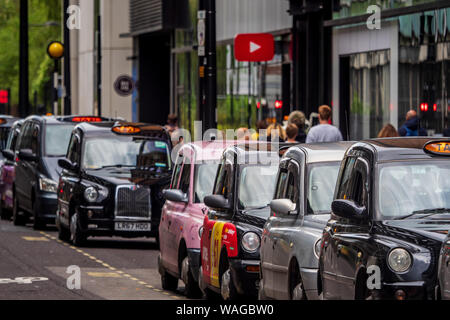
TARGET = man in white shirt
(324,132)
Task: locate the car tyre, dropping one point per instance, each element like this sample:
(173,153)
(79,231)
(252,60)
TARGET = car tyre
(18,220)
(297,289)
(77,237)
(169,282)
(192,289)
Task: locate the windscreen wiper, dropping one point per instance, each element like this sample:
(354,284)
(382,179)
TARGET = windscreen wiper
(426,212)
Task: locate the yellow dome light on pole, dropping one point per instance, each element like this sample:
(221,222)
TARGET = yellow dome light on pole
(55,50)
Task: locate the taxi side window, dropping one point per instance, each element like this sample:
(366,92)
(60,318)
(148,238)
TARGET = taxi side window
(25,139)
(224,184)
(359,189)
(176,173)
(281,184)
(292,192)
(35,139)
(345,181)
(73,151)
(185,178)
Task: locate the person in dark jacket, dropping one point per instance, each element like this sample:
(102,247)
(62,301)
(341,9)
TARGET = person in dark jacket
(412,128)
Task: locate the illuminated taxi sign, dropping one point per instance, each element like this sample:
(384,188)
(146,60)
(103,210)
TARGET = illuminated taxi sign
(441,148)
(126,130)
(86,119)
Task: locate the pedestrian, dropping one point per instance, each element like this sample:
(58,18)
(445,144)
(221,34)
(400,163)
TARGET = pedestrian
(260,125)
(412,128)
(172,123)
(388,132)
(324,132)
(298,118)
(243,134)
(292,133)
(276,133)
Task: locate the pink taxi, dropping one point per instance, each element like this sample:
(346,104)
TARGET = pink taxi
(183,214)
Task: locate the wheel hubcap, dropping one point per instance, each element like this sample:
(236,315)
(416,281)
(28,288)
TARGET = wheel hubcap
(225,287)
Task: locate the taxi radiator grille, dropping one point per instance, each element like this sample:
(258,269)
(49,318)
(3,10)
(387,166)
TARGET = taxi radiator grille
(132,202)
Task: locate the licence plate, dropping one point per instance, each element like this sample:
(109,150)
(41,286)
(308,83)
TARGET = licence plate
(133,226)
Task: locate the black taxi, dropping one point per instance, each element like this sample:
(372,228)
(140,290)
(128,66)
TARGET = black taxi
(390,216)
(112,181)
(231,232)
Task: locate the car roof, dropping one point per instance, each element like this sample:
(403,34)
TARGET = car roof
(208,151)
(99,128)
(321,152)
(8,121)
(395,149)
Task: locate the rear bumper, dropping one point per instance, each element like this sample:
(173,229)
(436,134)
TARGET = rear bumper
(245,282)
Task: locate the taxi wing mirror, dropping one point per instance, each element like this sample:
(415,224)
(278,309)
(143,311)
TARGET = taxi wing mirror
(9,155)
(348,209)
(27,155)
(67,165)
(176,196)
(284,206)
(218,202)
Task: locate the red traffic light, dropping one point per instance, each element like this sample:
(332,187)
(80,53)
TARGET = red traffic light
(4,98)
(435,107)
(278,104)
(424,107)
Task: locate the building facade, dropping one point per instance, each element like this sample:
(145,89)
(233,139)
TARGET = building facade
(98,57)
(378,75)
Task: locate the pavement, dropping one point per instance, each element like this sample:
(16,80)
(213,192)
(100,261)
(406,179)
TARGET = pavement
(35,265)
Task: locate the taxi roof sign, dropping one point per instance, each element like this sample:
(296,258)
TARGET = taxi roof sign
(126,129)
(440,148)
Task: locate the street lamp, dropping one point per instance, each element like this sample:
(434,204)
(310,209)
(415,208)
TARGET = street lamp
(55,50)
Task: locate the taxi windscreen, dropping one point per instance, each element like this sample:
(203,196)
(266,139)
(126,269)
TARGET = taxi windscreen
(413,189)
(257,186)
(125,152)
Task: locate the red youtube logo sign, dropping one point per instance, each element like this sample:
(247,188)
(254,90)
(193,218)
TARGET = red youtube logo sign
(254,47)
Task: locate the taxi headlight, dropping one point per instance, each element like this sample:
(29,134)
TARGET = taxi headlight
(91,194)
(399,260)
(48,185)
(317,248)
(251,242)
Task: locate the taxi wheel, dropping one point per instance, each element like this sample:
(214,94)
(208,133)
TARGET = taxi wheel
(297,289)
(227,288)
(169,282)
(18,220)
(77,238)
(192,289)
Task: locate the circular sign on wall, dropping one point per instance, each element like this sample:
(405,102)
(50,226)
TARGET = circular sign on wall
(124,85)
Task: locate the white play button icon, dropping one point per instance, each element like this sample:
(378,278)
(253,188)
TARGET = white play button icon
(254,47)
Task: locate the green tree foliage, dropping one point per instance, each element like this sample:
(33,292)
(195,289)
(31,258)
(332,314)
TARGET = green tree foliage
(40,66)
